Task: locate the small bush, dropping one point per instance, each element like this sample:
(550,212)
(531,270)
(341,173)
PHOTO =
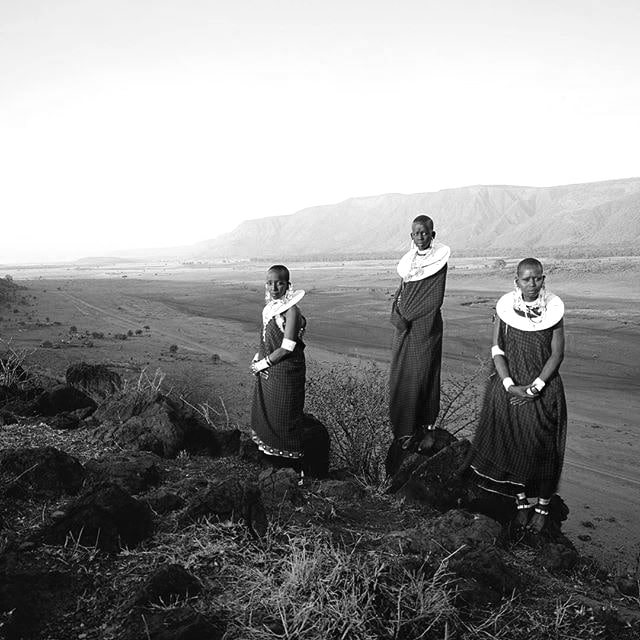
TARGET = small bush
(120,336)
(173,348)
(97,335)
(138,332)
(73,329)
(130,333)
(352,402)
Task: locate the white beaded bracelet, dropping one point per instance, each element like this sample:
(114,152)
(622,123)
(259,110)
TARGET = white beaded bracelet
(539,384)
(287,344)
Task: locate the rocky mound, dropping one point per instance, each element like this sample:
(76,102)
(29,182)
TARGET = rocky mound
(145,522)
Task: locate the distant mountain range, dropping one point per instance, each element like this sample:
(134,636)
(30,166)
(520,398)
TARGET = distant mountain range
(474,220)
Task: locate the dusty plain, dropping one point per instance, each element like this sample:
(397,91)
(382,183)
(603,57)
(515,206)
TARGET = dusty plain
(199,325)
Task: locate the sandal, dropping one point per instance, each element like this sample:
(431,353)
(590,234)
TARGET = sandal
(538,520)
(405,442)
(523,515)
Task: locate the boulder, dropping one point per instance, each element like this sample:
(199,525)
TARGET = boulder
(280,488)
(65,421)
(59,399)
(485,572)
(34,594)
(40,472)
(454,530)
(182,623)
(229,499)
(434,481)
(430,443)
(105,516)
(133,471)
(167,583)
(164,501)
(340,490)
(315,444)
(159,424)
(95,380)
(556,557)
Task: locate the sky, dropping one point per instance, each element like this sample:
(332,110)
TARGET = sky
(155,123)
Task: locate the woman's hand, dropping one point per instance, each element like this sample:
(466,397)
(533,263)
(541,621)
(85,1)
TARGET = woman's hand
(519,394)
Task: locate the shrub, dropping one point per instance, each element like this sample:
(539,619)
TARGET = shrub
(173,348)
(97,334)
(73,329)
(138,332)
(130,333)
(351,400)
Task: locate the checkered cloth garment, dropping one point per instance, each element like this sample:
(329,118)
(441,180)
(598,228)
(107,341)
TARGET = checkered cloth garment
(278,398)
(416,354)
(521,448)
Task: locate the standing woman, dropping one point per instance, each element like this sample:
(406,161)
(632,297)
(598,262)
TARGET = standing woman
(279,367)
(518,449)
(414,383)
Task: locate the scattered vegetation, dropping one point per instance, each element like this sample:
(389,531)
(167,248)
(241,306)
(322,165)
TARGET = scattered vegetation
(351,401)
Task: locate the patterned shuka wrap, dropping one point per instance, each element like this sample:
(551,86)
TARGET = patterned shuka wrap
(520,449)
(278,398)
(416,354)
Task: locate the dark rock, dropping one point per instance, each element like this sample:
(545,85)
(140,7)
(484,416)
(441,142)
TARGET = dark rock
(64,420)
(167,584)
(280,487)
(434,481)
(248,450)
(315,444)
(40,471)
(95,380)
(628,586)
(444,535)
(59,399)
(105,516)
(557,557)
(340,490)
(484,565)
(472,593)
(134,471)
(161,425)
(427,444)
(164,501)
(183,623)
(35,594)
(435,440)
(230,499)
(222,442)
(458,528)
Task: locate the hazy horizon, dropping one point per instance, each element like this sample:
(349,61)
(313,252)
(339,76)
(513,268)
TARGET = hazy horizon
(156,124)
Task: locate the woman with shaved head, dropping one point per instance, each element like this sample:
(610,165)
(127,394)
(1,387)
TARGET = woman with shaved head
(416,352)
(279,366)
(518,449)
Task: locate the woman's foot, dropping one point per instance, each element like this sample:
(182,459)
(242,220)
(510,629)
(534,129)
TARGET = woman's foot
(539,519)
(523,512)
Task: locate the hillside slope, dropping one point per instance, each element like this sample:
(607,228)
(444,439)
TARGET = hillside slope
(475,218)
